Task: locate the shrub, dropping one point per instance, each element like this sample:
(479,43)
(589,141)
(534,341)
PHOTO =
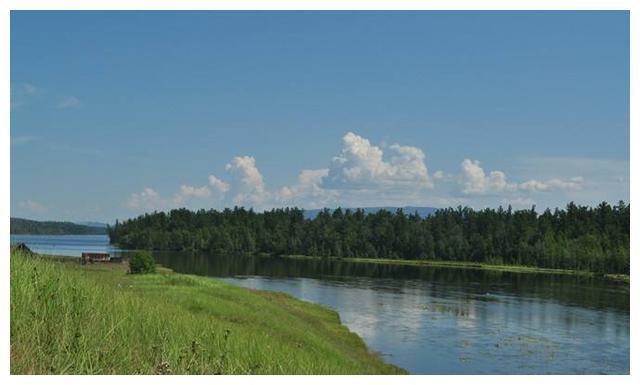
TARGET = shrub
(141,263)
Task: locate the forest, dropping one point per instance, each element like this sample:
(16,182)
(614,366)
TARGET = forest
(577,237)
(27,226)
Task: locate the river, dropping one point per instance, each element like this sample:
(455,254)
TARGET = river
(434,320)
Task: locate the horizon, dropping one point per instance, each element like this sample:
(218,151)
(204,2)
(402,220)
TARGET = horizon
(367,210)
(373,109)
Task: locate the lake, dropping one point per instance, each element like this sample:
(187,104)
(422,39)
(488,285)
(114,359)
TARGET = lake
(434,320)
(70,245)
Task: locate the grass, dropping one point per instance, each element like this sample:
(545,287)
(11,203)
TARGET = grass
(96,319)
(473,265)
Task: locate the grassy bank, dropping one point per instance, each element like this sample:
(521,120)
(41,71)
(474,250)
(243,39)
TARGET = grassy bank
(472,265)
(73,319)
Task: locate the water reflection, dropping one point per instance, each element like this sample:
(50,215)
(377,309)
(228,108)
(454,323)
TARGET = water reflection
(434,320)
(451,321)
(478,285)
(426,329)
(68,245)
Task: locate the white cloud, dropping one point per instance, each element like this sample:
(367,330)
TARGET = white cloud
(150,199)
(603,179)
(32,206)
(196,192)
(218,184)
(307,191)
(312,177)
(361,165)
(551,184)
(247,184)
(187,192)
(363,174)
(146,199)
(68,102)
(475,181)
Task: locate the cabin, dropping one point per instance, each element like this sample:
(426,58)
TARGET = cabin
(94,257)
(23,248)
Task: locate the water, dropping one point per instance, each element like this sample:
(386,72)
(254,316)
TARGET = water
(440,320)
(451,321)
(69,245)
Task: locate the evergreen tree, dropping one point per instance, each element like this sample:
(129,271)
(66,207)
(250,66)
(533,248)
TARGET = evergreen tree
(577,237)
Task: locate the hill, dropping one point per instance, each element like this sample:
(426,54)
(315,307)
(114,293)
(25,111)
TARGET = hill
(27,226)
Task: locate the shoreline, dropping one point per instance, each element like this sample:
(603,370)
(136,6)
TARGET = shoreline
(241,331)
(625,278)
(469,265)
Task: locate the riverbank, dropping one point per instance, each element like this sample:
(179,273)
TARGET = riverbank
(471,265)
(96,319)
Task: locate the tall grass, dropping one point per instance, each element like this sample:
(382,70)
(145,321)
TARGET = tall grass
(96,319)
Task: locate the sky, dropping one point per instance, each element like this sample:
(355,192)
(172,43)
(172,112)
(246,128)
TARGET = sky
(114,114)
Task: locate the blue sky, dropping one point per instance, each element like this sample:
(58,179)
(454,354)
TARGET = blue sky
(118,113)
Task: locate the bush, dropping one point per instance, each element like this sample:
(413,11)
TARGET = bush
(141,263)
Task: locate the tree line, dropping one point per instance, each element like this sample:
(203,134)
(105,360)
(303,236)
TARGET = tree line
(576,237)
(27,226)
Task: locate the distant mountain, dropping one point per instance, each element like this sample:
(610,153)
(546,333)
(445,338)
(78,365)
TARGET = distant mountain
(422,211)
(27,226)
(93,224)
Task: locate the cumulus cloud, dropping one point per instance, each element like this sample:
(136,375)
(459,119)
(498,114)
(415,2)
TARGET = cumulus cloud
(148,198)
(364,174)
(474,181)
(362,165)
(551,184)
(218,184)
(187,192)
(307,192)
(247,185)
(196,192)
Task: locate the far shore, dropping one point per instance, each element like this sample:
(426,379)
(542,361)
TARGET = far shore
(448,264)
(471,265)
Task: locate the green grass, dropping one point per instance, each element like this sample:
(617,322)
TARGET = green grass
(472,265)
(96,319)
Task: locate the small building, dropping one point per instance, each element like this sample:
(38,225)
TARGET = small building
(23,248)
(94,257)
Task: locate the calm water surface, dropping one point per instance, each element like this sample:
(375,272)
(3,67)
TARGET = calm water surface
(438,320)
(69,245)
